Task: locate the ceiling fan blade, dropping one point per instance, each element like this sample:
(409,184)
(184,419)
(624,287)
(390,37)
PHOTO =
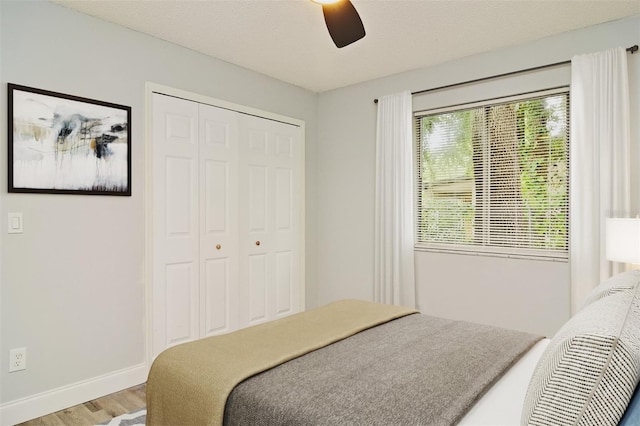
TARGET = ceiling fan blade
(343,22)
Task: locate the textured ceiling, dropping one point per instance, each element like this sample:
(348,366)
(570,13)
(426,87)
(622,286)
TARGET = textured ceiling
(288,40)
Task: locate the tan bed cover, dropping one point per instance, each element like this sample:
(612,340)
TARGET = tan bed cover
(189,384)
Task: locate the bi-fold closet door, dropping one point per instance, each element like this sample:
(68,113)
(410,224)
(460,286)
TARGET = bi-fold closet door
(227,200)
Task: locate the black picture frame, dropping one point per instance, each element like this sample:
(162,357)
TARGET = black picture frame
(64,144)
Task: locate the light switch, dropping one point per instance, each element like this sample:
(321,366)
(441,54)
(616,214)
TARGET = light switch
(15,223)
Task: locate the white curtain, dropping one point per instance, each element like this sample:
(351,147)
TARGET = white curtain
(394,281)
(600,163)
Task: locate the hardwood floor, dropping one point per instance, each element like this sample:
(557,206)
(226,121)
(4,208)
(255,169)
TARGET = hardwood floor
(96,411)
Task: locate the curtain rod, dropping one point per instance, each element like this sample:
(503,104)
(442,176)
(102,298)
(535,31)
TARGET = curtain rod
(633,49)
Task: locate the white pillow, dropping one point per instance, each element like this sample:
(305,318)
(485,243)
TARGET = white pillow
(619,282)
(587,374)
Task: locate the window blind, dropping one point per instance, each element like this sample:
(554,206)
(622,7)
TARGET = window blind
(493,177)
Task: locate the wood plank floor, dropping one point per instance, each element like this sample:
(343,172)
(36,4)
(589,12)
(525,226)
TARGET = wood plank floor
(97,411)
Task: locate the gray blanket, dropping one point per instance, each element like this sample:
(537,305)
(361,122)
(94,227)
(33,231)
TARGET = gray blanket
(416,370)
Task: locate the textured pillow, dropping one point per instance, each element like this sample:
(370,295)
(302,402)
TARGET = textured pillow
(589,370)
(617,283)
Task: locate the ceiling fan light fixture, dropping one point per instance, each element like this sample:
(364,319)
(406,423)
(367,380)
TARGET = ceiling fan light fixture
(343,21)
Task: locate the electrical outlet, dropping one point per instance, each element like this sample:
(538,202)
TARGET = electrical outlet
(17,359)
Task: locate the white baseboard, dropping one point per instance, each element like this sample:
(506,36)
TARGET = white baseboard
(38,405)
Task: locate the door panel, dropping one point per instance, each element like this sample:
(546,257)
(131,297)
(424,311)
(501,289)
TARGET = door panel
(175,223)
(270,154)
(179,215)
(180,127)
(216,207)
(284,287)
(257,137)
(283,202)
(182,288)
(288,201)
(258,284)
(217,296)
(284,145)
(217,130)
(257,195)
(218,159)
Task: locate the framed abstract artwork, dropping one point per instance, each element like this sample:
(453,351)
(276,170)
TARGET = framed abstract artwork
(63,144)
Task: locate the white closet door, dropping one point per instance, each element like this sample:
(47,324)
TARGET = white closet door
(227,238)
(271,196)
(288,199)
(175,222)
(218,220)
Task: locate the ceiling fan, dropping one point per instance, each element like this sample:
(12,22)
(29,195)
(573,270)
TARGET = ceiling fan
(343,22)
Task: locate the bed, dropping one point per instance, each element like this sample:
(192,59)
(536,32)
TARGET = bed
(355,362)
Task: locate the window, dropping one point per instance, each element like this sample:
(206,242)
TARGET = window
(493,177)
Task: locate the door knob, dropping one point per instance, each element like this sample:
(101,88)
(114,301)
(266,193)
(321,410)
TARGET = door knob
(218,246)
(257,243)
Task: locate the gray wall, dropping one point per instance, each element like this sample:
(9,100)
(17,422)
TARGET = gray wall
(73,282)
(528,295)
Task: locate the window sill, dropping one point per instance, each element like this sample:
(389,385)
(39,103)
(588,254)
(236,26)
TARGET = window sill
(489,252)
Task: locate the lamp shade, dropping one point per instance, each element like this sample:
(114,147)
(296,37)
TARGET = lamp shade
(623,240)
